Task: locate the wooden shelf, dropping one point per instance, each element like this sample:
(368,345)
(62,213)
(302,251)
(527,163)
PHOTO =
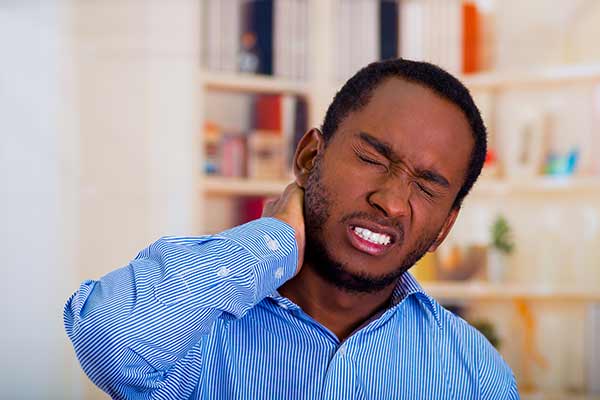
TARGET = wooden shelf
(252,83)
(473,290)
(540,185)
(222,186)
(558,396)
(535,77)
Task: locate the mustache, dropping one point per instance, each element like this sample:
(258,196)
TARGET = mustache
(385,222)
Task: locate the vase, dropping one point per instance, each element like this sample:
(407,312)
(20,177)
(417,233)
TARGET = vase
(496,266)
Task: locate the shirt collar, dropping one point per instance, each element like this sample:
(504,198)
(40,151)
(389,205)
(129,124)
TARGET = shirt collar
(408,286)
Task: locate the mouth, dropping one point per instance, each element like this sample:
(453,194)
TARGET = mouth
(371,238)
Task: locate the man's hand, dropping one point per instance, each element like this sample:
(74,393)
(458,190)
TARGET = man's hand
(289,208)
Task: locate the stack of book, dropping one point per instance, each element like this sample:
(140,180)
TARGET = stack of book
(449,33)
(257,36)
(257,142)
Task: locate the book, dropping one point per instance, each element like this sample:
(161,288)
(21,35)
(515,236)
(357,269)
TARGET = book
(233,154)
(212,34)
(256,37)
(388,29)
(249,209)
(265,155)
(267,112)
(430,30)
(471,38)
(230,35)
(593,349)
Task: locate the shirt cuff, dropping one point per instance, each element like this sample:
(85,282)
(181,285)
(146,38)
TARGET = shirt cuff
(273,243)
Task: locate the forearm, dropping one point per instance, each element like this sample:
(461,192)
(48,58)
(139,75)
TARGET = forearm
(136,326)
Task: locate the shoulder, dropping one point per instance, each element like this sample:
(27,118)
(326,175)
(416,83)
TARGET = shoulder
(464,344)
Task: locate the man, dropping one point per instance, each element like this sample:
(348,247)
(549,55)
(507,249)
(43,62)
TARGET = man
(313,301)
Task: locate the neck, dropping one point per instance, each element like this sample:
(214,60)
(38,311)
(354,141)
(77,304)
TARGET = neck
(339,310)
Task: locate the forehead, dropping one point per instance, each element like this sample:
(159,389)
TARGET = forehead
(421,126)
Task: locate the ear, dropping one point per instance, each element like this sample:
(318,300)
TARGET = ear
(311,144)
(445,229)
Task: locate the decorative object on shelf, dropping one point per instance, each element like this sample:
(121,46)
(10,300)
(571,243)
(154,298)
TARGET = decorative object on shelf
(488,330)
(490,167)
(501,245)
(459,262)
(562,164)
(424,270)
(525,154)
(212,156)
(248,60)
(265,155)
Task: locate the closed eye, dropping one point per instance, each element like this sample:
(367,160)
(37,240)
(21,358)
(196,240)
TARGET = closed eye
(425,190)
(369,160)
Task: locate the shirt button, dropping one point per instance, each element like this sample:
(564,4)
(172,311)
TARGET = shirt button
(279,273)
(223,272)
(272,244)
(342,351)
(284,306)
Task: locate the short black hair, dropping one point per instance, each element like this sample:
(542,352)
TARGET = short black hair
(358,90)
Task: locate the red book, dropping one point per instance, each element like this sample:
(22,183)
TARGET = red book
(250,208)
(267,112)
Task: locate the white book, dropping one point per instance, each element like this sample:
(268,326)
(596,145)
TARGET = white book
(230,25)
(279,37)
(593,349)
(300,54)
(294,23)
(288,124)
(411,28)
(356,35)
(370,51)
(343,39)
(455,26)
(447,39)
(213,35)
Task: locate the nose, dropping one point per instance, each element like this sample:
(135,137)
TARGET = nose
(392,199)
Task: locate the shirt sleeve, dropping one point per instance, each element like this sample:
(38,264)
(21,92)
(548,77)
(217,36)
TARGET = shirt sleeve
(138,332)
(496,379)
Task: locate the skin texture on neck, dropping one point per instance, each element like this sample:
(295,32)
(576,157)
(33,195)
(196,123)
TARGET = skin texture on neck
(341,311)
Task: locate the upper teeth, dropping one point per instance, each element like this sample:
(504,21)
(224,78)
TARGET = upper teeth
(379,238)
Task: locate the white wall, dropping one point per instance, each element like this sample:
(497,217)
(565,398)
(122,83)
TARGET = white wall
(98,125)
(39,207)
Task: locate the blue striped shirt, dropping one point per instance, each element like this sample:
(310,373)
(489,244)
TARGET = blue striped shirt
(201,318)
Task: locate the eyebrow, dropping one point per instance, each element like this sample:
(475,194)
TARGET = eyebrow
(386,150)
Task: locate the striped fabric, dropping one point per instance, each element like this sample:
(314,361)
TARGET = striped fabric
(200,318)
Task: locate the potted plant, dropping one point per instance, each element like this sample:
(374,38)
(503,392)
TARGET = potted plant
(501,246)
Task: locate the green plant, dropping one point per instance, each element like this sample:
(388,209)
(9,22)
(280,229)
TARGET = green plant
(502,235)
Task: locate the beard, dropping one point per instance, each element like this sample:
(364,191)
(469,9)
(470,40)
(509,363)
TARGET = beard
(317,206)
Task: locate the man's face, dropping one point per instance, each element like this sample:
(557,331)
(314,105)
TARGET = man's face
(380,194)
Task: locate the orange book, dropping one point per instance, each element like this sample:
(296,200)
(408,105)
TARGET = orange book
(471,38)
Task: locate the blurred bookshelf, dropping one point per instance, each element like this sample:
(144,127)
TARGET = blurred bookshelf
(485,291)
(246,82)
(223,186)
(240,186)
(536,77)
(313,46)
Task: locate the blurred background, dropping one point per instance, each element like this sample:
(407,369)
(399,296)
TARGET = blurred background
(125,120)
